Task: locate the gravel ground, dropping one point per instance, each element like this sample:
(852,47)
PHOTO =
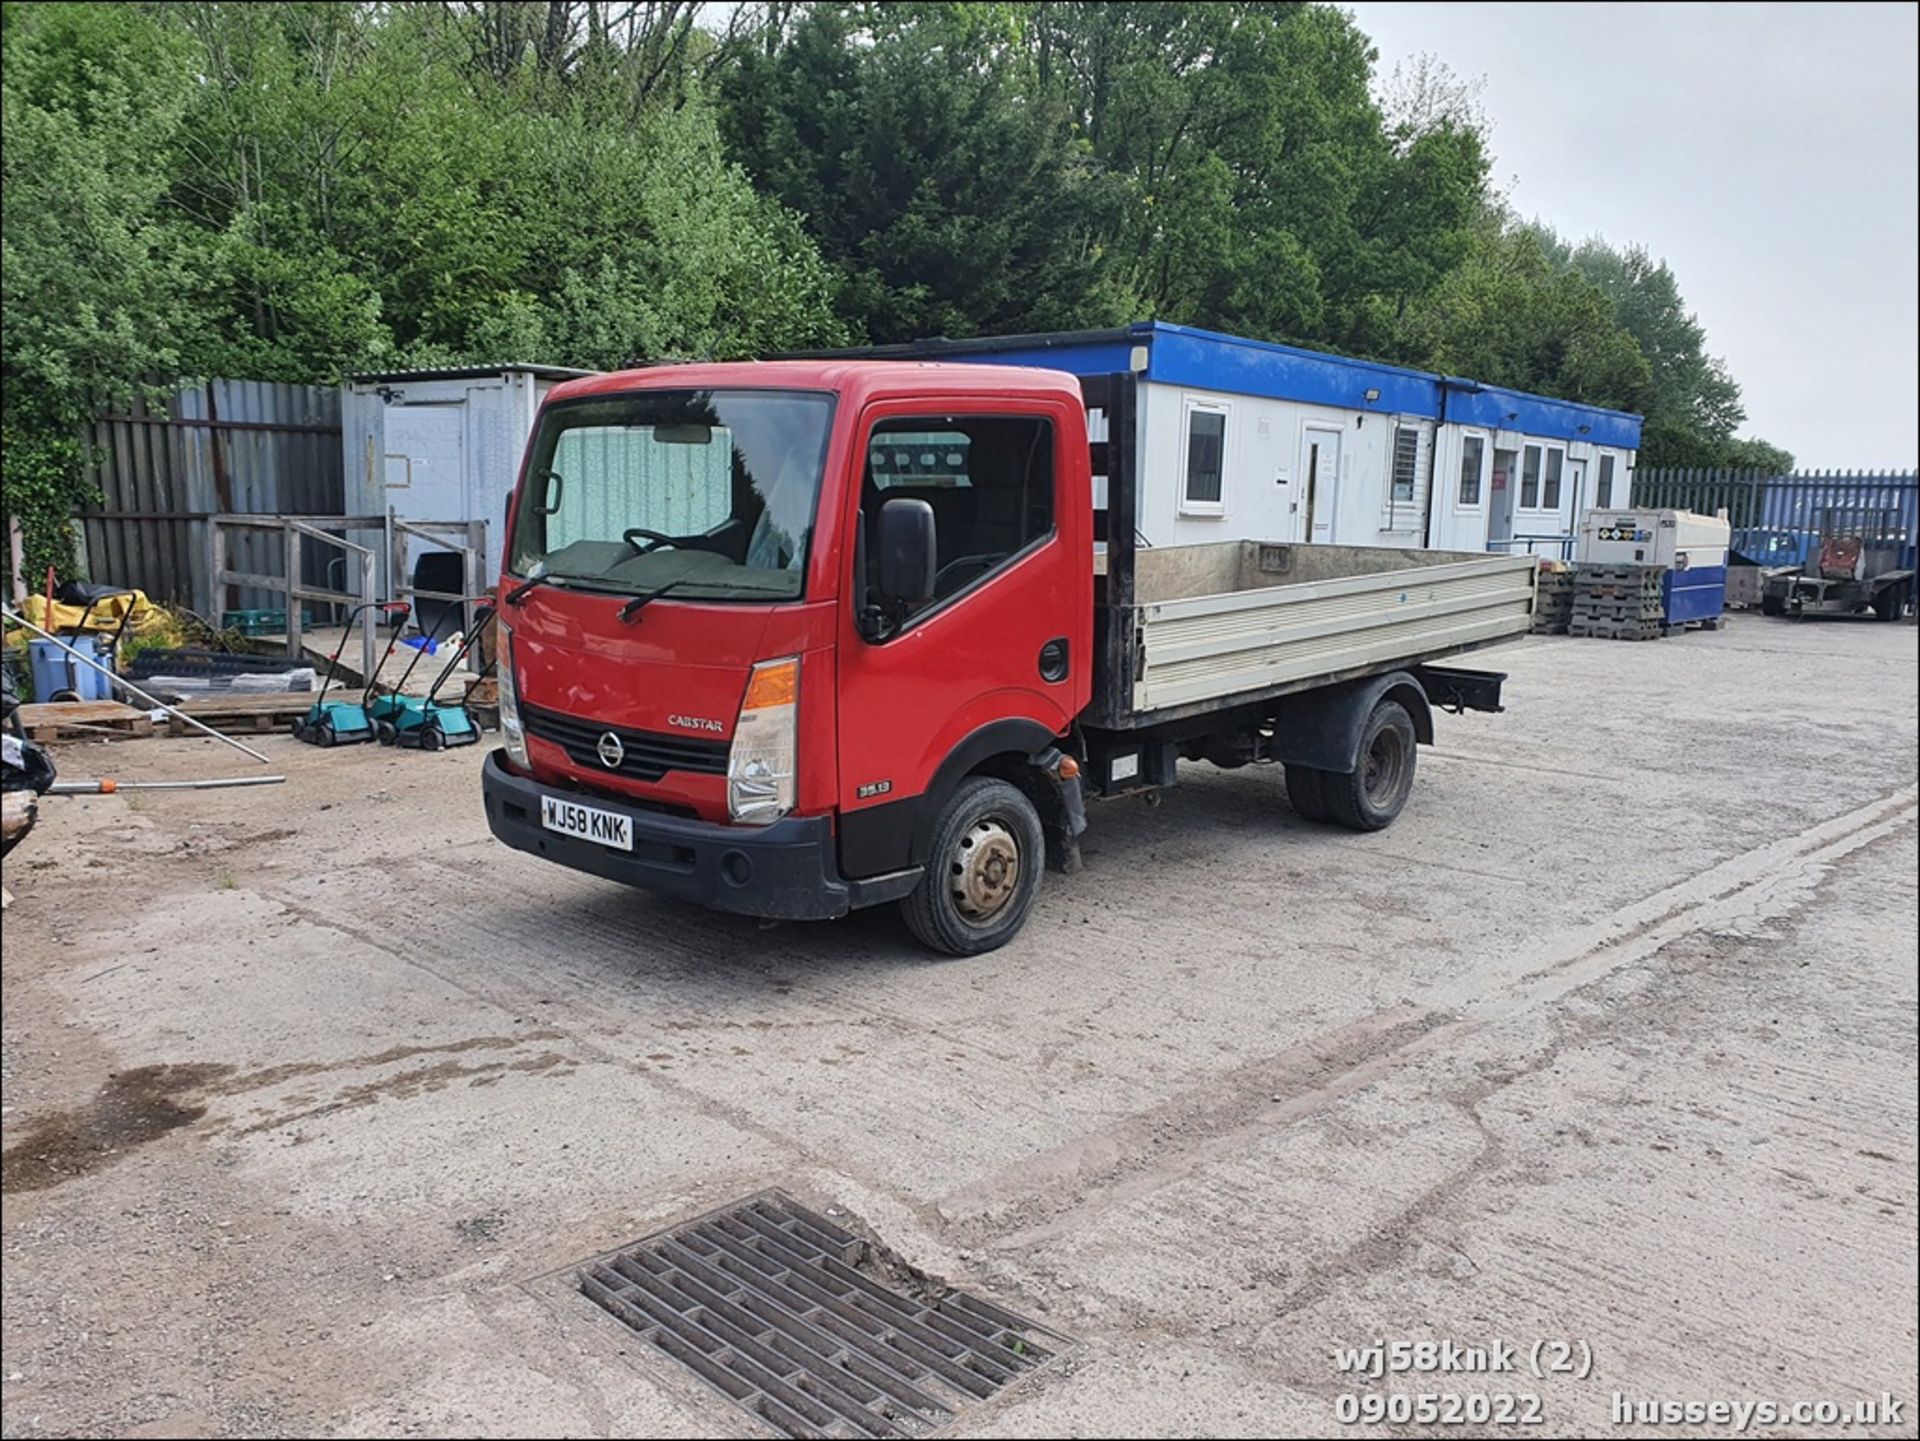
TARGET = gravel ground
(314,1095)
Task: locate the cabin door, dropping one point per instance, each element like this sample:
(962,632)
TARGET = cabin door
(1320,481)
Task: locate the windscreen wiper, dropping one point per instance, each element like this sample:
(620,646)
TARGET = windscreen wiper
(633,607)
(543,576)
(539,576)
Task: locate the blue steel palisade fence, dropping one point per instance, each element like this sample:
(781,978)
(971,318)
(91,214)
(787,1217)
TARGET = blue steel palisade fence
(1776,517)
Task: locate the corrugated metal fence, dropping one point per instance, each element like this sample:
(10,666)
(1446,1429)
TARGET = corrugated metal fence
(1776,517)
(248,446)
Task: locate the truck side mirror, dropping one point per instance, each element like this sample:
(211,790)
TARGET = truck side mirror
(906,551)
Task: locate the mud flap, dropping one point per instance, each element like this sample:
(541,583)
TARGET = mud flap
(1065,819)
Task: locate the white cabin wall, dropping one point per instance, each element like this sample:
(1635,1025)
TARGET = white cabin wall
(496,417)
(1460,523)
(1264,491)
(1256,491)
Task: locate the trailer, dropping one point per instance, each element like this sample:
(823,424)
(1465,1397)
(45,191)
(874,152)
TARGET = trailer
(796,638)
(1857,568)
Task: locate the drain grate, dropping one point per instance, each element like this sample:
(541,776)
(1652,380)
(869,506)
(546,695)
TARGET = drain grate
(767,1303)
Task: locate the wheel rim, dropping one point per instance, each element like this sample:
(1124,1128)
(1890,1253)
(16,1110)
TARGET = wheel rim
(1386,760)
(985,869)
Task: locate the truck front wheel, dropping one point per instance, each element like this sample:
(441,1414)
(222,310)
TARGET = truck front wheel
(983,870)
(1368,797)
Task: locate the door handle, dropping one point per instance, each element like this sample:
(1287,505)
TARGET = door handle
(1054,660)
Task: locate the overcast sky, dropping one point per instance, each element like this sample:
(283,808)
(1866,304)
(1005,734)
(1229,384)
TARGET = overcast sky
(1766,152)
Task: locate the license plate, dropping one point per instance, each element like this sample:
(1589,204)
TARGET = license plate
(588,824)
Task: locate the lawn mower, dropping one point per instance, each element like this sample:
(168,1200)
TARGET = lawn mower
(425,723)
(346,722)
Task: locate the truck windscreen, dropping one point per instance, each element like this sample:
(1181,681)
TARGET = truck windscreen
(709,491)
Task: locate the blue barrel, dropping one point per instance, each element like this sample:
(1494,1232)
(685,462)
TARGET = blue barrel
(51,666)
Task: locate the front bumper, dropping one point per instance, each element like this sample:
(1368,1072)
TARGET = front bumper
(784,871)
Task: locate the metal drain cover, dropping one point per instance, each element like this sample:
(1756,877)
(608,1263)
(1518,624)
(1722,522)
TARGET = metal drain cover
(768,1303)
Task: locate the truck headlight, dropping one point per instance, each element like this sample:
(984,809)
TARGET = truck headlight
(511,731)
(762,764)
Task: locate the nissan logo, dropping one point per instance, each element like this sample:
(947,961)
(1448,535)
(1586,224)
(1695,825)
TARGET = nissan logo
(610,751)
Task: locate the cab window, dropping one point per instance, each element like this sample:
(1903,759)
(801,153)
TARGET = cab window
(988,479)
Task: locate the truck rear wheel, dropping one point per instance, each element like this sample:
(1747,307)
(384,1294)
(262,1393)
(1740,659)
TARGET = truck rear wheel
(1374,792)
(1306,790)
(983,870)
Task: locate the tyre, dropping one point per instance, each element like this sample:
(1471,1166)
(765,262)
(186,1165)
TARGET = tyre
(325,734)
(1370,796)
(1889,603)
(983,870)
(1773,605)
(432,738)
(385,733)
(1306,790)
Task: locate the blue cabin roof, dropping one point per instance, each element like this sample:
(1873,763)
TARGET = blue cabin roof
(1209,360)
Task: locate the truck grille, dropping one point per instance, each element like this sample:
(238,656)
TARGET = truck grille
(646,755)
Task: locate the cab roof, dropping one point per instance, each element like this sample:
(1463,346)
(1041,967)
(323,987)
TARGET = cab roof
(858,380)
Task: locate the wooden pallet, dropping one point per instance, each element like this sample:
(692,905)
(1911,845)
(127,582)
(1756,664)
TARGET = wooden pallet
(84,720)
(275,710)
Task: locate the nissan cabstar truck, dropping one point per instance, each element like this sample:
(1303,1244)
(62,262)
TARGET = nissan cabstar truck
(792,638)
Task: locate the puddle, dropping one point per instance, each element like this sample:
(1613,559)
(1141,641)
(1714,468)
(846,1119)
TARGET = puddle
(131,1109)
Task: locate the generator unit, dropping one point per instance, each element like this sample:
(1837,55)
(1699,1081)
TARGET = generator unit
(1690,549)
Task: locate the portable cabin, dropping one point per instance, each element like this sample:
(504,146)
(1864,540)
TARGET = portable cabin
(441,446)
(1248,439)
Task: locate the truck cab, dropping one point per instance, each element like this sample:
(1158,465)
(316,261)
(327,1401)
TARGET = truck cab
(756,618)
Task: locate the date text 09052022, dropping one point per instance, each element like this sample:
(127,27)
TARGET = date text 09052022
(1439,1409)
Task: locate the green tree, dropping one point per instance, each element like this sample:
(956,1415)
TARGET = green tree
(948,196)
(1693,404)
(1506,315)
(1263,190)
(93,297)
(415,185)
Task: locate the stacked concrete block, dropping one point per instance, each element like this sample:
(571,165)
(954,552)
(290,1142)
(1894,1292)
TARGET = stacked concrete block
(1618,602)
(1553,600)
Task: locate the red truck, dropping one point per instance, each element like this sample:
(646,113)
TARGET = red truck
(793,638)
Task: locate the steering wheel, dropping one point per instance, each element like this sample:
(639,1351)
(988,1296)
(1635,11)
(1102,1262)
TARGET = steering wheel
(657,540)
(958,566)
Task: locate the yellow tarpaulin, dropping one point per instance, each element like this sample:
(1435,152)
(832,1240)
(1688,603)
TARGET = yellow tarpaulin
(105,616)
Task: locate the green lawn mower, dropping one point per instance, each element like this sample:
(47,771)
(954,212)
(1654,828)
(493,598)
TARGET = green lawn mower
(345,721)
(426,722)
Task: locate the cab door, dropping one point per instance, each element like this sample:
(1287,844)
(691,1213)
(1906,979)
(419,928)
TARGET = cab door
(1006,637)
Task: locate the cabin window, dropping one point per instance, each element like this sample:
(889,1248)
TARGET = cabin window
(1206,458)
(1530,478)
(1406,462)
(1473,455)
(1550,493)
(1603,488)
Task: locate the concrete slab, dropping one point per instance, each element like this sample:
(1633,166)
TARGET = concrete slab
(1609,1040)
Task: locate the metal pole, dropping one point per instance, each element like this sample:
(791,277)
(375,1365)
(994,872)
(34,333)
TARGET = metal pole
(111,787)
(290,551)
(124,684)
(368,662)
